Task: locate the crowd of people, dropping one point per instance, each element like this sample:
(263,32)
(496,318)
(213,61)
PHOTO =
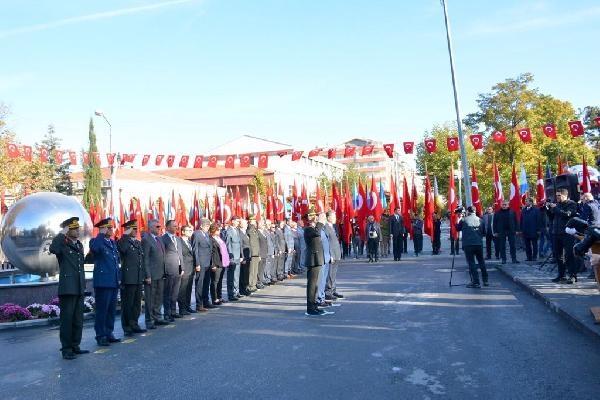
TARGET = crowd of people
(185,271)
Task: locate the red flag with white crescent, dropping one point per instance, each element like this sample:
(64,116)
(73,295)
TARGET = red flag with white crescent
(477,141)
(245,160)
(408,147)
(198,161)
(349,151)
(44,155)
(549,130)
(540,192)
(263,161)
(158,160)
(58,156)
(498,193)
(430,145)
(13,150)
(499,137)
(110,158)
(296,155)
(576,128)
(586,184)
(170,160)
(367,150)
(230,161)
(212,162)
(389,149)
(183,161)
(145,159)
(27,153)
(515,195)
(475,192)
(314,152)
(452,143)
(525,135)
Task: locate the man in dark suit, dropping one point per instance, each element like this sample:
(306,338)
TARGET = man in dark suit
(132,278)
(184,299)
(315,259)
(106,281)
(396,231)
(488,229)
(173,258)
(245,264)
(234,247)
(254,242)
(336,255)
(505,228)
(202,247)
(71,286)
(154,282)
(531,226)
(280,257)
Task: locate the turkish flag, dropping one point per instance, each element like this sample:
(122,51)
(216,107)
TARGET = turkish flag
(73,158)
(349,151)
(183,161)
(212,162)
(145,160)
(576,128)
(86,158)
(296,155)
(263,161)
(430,145)
(549,131)
(499,136)
(245,160)
(58,156)
(44,155)
(515,195)
(96,156)
(282,153)
(13,150)
(129,158)
(367,150)
(597,121)
(525,135)
(230,161)
(389,149)
(452,143)
(110,157)
(198,161)
(314,152)
(477,141)
(158,160)
(170,160)
(331,153)
(408,147)
(27,153)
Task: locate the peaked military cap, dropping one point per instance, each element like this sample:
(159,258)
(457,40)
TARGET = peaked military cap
(105,223)
(71,223)
(130,224)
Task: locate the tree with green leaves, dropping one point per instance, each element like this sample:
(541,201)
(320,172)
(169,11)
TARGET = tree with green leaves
(60,171)
(92,192)
(258,181)
(592,131)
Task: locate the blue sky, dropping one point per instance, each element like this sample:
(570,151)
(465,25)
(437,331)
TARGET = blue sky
(185,76)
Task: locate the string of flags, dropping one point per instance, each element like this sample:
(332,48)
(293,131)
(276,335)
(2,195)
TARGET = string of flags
(59,156)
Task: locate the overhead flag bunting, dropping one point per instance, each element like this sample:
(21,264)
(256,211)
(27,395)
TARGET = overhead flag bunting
(389,149)
(576,128)
(475,192)
(430,145)
(212,162)
(498,194)
(408,147)
(549,130)
(367,150)
(525,135)
(499,137)
(230,161)
(515,196)
(540,192)
(349,151)
(477,141)
(452,143)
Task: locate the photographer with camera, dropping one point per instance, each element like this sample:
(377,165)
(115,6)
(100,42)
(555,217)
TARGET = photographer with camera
(562,243)
(472,242)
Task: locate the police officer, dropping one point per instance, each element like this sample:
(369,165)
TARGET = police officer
(71,286)
(106,281)
(132,278)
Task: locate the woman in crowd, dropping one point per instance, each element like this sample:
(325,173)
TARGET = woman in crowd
(219,259)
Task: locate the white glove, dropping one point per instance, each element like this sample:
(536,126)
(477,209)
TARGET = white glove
(571,231)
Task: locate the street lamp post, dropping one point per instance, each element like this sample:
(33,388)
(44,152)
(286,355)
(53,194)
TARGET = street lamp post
(113,172)
(461,138)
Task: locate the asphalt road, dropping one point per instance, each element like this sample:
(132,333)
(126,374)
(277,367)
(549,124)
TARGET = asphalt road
(401,333)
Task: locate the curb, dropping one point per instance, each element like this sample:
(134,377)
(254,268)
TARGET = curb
(30,323)
(581,326)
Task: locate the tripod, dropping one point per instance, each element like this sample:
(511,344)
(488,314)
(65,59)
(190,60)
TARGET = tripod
(451,273)
(545,262)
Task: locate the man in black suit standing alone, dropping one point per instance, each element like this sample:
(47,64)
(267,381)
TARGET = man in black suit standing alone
(315,258)
(397,232)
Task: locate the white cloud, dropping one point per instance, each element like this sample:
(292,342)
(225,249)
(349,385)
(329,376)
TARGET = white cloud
(90,17)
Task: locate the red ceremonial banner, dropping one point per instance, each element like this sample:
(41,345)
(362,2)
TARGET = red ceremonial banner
(212,162)
(314,152)
(58,156)
(597,121)
(245,160)
(13,150)
(44,155)
(170,160)
(198,161)
(159,159)
(263,161)
(524,135)
(86,158)
(110,158)
(477,141)
(27,153)
(296,155)
(549,130)
(145,160)
(430,145)
(367,150)
(230,161)
(499,136)
(73,158)
(389,149)
(452,143)
(331,153)
(408,147)
(349,151)
(183,161)
(576,128)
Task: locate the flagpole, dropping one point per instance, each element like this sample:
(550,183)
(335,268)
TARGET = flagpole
(461,140)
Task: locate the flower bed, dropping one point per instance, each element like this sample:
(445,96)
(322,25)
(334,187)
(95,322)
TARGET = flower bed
(10,312)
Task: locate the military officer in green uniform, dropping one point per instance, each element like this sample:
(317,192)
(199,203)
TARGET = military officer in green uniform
(71,286)
(132,278)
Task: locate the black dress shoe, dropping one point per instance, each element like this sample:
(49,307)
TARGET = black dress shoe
(102,341)
(171,319)
(486,284)
(209,306)
(473,286)
(128,333)
(68,355)
(234,299)
(137,329)
(191,311)
(150,327)
(161,322)
(176,316)
(113,339)
(184,313)
(331,298)
(77,350)
(339,296)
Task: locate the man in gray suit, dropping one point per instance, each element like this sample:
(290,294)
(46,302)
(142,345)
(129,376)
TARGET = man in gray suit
(301,251)
(280,257)
(288,236)
(173,259)
(270,276)
(253,235)
(336,255)
(202,247)
(154,266)
(264,247)
(188,265)
(234,247)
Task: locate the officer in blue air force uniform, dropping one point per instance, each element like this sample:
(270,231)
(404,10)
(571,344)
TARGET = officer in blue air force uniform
(106,281)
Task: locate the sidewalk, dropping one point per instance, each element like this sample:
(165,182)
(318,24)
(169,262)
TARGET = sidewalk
(573,302)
